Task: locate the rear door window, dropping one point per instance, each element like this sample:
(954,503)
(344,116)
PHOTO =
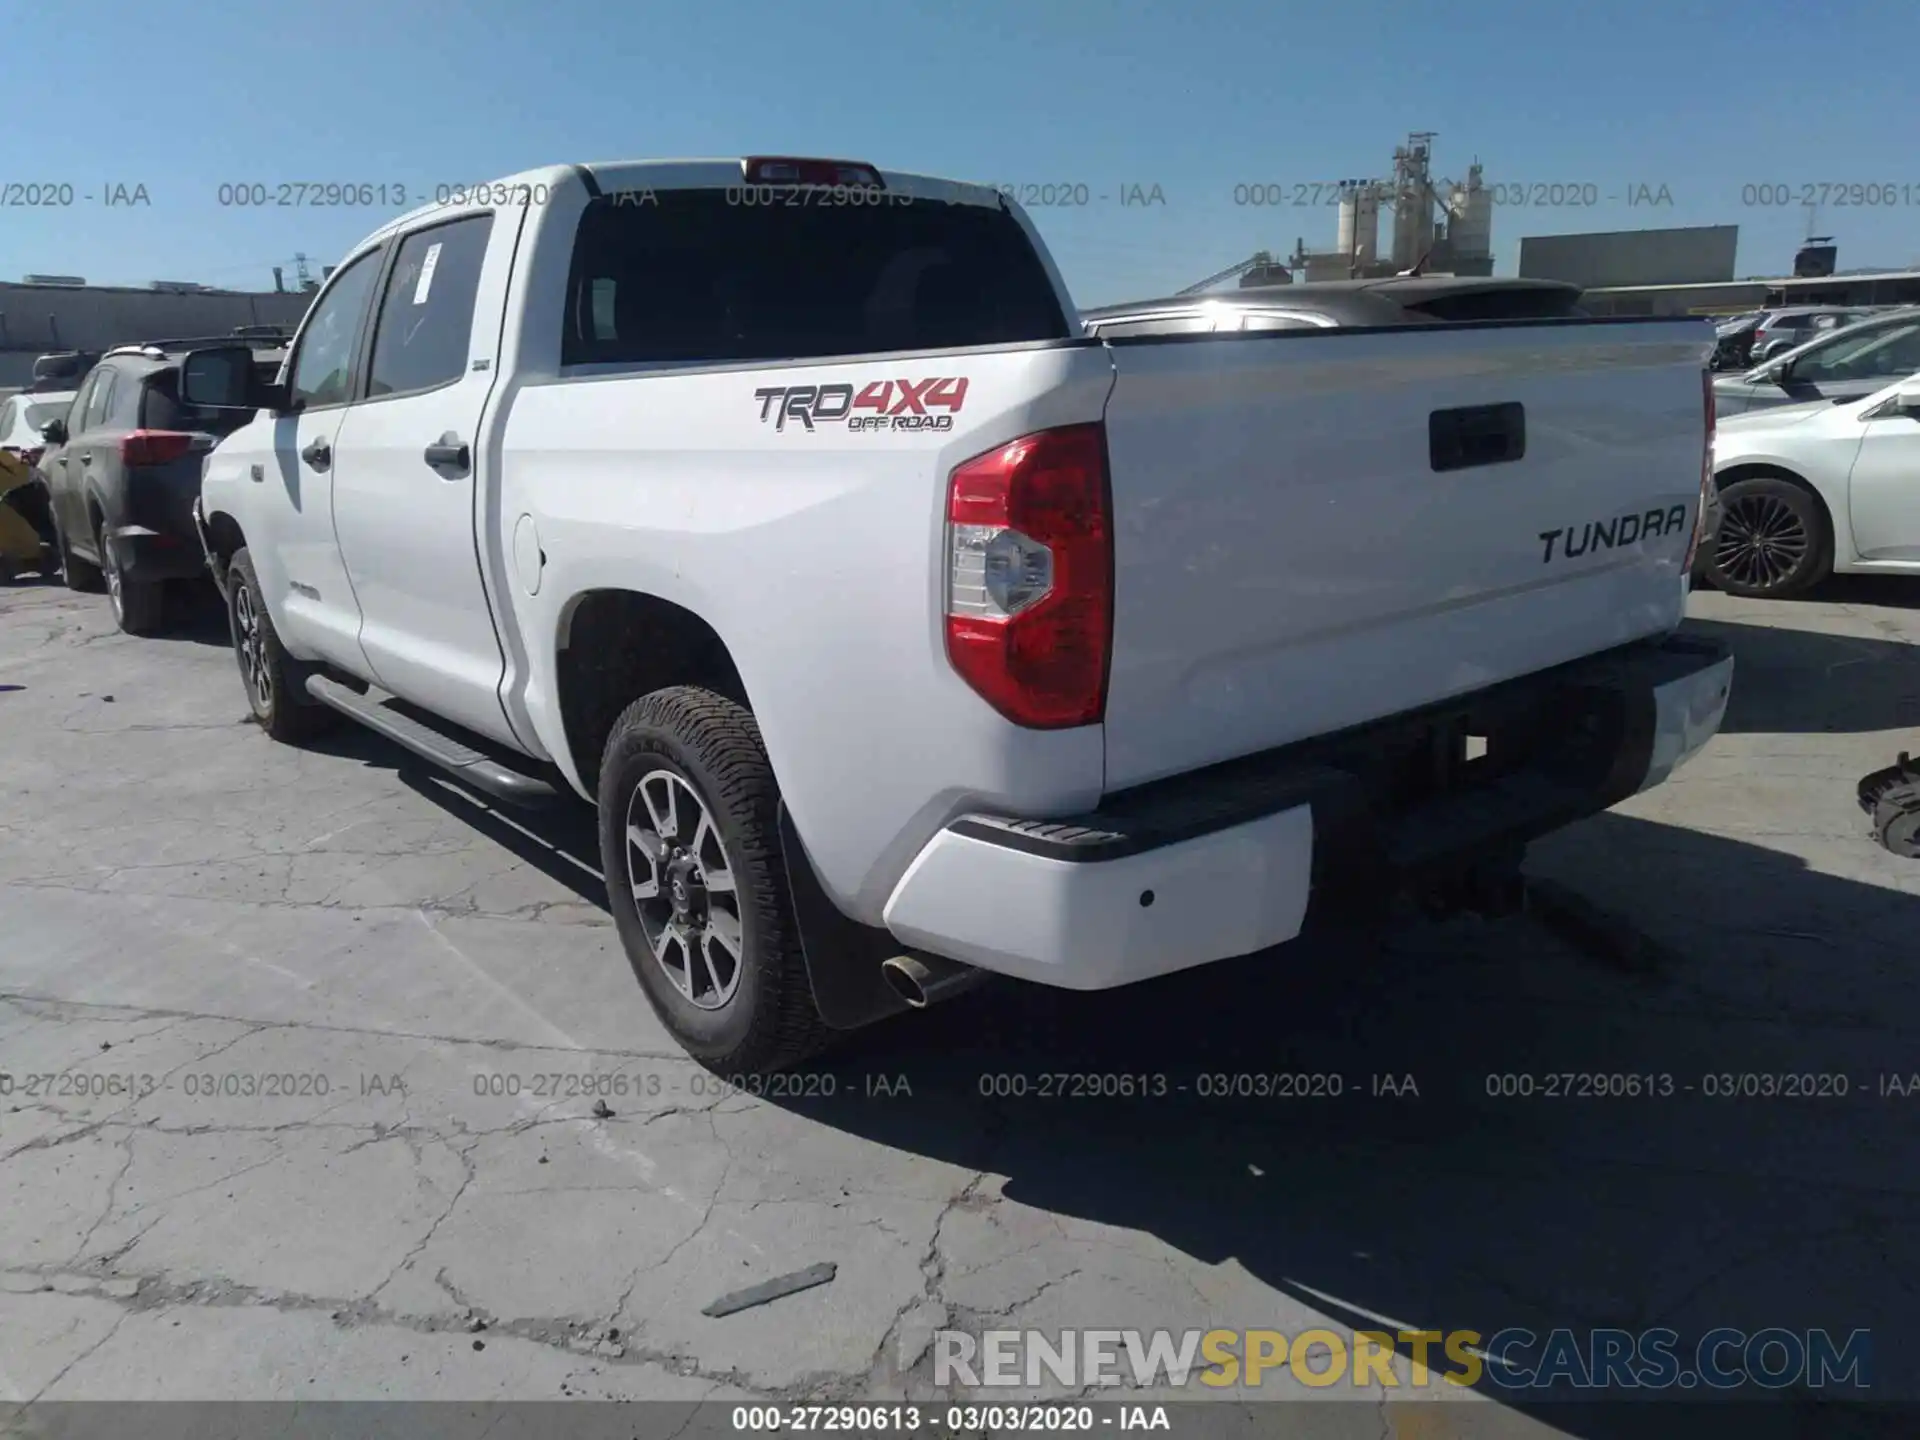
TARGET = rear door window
(426,319)
(695,275)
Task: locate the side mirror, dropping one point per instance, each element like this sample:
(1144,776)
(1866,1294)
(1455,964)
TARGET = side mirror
(1907,398)
(223,379)
(54,432)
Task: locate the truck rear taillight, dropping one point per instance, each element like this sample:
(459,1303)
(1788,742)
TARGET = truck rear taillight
(1706,473)
(154,447)
(1030,577)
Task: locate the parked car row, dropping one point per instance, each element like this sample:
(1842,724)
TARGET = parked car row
(1744,341)
(116,470)
(1845,363)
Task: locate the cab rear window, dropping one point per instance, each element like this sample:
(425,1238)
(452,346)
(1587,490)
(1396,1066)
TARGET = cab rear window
(694,275)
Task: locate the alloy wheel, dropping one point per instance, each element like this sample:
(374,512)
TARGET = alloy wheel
(250,645)
(110,563)
(683,888)
(1762,543)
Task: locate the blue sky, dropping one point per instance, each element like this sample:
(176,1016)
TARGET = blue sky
(1195,98)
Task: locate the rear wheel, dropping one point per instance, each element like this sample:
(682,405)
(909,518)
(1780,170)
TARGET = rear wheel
(77,573)
(138,606)
(272,678)
(690,846)
(1773,540)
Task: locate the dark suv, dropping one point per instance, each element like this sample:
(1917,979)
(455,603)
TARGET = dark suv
(122,471)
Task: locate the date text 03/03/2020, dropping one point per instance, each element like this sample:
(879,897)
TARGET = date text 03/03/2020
(947,1419)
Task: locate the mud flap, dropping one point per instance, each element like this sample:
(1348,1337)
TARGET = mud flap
(843,956)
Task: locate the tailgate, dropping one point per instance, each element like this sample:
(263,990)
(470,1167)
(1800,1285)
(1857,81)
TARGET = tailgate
(1315,530)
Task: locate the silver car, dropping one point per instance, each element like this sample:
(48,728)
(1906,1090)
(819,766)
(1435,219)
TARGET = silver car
(1788,328)
(1842,365)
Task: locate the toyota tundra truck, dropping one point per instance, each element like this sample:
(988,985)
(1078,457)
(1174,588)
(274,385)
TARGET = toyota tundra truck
(903,631)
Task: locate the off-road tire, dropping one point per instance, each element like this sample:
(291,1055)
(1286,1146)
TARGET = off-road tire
(280,707)
(1780,497)
(770,1022)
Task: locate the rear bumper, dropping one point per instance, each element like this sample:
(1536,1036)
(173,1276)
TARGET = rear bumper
(1242,856)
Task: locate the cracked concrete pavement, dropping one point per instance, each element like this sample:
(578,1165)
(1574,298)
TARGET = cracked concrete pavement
(305,1047)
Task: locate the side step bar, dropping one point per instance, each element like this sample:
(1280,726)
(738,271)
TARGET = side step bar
(482,772)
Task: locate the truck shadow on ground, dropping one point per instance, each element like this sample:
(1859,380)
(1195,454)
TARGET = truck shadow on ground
(196,614)
(1785,680)
(1462,1209)
(1454,1208)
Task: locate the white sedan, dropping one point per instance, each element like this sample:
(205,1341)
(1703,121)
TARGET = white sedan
(1809,490)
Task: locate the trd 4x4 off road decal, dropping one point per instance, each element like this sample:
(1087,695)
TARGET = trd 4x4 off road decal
(879,405)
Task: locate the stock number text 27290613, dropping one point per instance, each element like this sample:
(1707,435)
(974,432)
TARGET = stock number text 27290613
(369,194)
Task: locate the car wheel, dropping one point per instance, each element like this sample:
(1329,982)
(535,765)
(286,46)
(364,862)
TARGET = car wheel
(1773,540)
(77,573)
(274,680)
(697,885)
(138,607)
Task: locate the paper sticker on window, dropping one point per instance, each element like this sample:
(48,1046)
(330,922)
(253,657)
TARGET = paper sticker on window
(425,282)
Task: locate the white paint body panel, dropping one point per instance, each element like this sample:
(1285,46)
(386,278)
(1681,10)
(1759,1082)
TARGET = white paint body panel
(1861,458)
(1081,926)
(1286,564)
(1289,564)
(1687,714)
(407,532)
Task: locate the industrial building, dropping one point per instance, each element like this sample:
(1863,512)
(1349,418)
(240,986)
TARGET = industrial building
(1690,272)
(1456,241)
(1735,297)
(1690,255)
(51,313)
(1442,227)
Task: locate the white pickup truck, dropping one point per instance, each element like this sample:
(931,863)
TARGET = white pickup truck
(903,631)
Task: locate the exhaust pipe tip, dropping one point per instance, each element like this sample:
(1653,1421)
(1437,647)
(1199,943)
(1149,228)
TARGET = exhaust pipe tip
(920,982)
(908,979)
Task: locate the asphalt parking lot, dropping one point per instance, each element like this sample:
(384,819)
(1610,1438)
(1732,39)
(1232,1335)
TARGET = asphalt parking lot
(427,1206)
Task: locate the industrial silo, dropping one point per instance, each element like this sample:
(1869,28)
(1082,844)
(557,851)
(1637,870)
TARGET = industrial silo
(1412,200)
(1359,234)
(1470,225)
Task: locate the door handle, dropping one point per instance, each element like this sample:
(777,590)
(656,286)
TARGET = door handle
(318,454)
(86,459)
(449,452)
